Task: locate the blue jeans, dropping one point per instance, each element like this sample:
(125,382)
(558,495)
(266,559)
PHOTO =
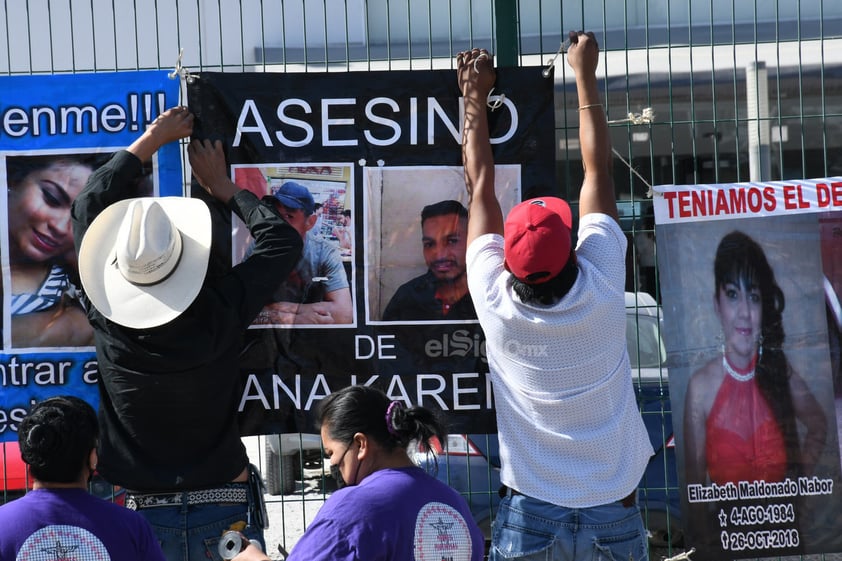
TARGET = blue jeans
(532,530)
(192,532)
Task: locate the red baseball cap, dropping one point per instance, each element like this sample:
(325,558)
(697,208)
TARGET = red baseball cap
(537,239)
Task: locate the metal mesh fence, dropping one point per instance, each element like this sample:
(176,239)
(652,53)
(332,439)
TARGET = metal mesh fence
(697,91)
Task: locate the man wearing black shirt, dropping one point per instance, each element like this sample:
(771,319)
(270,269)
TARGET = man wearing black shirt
(169,316)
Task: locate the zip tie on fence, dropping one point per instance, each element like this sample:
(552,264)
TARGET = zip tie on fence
(683,556)
(562,48)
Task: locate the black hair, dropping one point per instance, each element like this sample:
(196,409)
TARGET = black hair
(741,261)
(550,292)
(317,206)
(443,208)
(56,438)
(347,212)
(364,409)
(18,167)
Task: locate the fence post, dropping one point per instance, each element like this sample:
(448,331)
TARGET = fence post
(506,28)
(757,97)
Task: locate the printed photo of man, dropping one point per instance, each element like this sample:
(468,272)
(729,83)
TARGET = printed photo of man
(420,283)
(441,293)
(317,291)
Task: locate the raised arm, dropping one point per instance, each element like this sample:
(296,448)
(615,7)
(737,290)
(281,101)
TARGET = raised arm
(208,162)
(597,194)
(173,124)
(476,78)
(117,179)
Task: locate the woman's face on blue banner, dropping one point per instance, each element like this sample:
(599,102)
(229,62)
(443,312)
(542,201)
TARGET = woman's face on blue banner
(39,211)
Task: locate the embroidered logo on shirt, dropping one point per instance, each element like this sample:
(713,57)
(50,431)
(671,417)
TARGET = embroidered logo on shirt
(63,543)
(441,534)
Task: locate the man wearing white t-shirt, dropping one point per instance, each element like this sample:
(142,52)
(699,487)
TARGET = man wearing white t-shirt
(572,443)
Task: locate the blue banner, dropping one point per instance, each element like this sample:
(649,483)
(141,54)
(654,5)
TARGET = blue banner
(54,132)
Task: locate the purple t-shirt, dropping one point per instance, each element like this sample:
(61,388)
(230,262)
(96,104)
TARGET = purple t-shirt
(73,524)
(393,515)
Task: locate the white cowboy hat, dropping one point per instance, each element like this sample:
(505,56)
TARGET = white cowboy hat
(142,261)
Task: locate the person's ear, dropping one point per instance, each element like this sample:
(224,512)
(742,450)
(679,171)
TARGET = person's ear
(310,222)
(93,458)
(365,445)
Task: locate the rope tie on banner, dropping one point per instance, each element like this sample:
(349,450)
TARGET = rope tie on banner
(183,75)
(562,48)
(645,117)
(649,191)
(180,71)
(476,60)
(493,102)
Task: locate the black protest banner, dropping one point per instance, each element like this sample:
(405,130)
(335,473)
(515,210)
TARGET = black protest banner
(372,149)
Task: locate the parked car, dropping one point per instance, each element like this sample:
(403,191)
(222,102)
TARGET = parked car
(470,463)
(659,495)
(287,455)
(15,480)
(13,476)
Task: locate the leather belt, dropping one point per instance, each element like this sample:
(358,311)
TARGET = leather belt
(233,494)
(627,501)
